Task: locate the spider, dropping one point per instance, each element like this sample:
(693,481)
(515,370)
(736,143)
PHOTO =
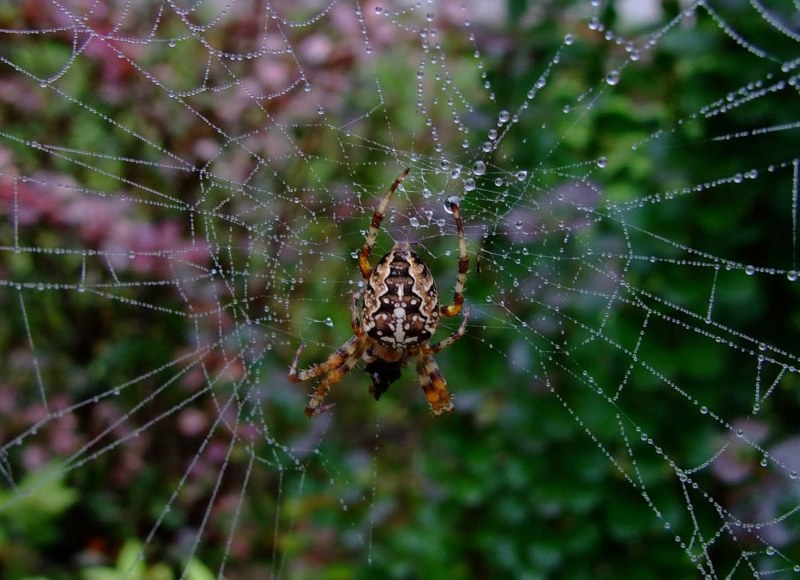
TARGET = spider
(400,313)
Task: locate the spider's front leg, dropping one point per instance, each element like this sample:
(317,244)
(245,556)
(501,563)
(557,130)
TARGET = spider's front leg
(374,226)
(463,265)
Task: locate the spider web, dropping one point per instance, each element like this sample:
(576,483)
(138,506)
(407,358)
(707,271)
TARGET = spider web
(185,187)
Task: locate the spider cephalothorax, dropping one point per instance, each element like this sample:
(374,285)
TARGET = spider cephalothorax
(400,314)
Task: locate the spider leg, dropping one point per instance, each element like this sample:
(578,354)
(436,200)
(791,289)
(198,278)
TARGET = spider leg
(335,375)
(375,224)
(441,345)
(334,368)
(355,321)
(433,384)
(320,369)
(463,264)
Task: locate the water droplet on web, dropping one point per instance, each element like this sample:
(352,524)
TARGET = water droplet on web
(612,78)
(414,222)
(479,168)
(504,116)
(569,39)
(426,193)
(602,162)
(469,184)
(452,200)
(749,270)
(791,275)
(328,321)
(487,146)
(521,175)
(455,172)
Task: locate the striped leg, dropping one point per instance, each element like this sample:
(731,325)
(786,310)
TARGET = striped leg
(434,385)
(374,226)
(334,368)
(463,264)
(434,348)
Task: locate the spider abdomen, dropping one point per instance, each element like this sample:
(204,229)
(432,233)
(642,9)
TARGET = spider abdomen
(401,304)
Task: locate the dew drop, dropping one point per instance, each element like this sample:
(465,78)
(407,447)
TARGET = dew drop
(602,162)
(469,184)
(479,168)
(612,78)
(569,39)
(450,201)
(521,175)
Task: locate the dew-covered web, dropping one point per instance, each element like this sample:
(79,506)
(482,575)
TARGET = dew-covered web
(184,188)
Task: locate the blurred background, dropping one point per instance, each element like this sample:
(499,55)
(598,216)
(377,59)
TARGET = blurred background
(183,190)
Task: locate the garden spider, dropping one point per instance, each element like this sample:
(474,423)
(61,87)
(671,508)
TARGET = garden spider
(400,314)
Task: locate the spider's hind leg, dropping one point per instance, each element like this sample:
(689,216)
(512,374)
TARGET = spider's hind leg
(334,368)
(434,385)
